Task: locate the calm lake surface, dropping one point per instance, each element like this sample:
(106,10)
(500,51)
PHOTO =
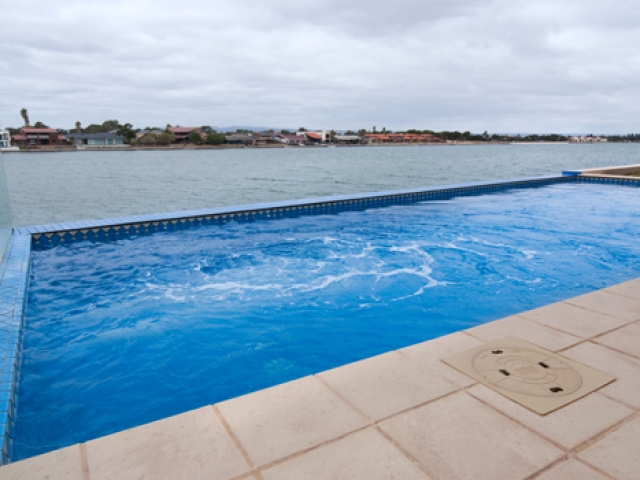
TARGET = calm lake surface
(57,187)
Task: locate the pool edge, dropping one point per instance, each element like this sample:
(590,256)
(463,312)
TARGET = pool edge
(14,271)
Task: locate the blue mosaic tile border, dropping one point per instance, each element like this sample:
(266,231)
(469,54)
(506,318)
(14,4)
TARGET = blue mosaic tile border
(14,272)
(47,236)
(629,182)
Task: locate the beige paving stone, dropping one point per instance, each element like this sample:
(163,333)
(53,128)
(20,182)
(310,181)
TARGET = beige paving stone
(609,304)
(617,454)
(626,340)
(460,437)
(574,320)
(193,445)
(572,470)
(429,354)
(279,421)
(365,455)
(386,384)
(63,464)
(629,289)
(528,330)
(626,369)
(570,425)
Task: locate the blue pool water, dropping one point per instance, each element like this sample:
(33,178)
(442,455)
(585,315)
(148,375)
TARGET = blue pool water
(122,333)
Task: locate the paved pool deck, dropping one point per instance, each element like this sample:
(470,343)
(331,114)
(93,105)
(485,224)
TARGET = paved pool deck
(402,415)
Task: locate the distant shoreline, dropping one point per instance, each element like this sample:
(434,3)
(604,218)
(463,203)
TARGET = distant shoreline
(173,148)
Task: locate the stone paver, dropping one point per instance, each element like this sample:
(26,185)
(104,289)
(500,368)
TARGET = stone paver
(629,289)
(386,384)
(192,445)
(460,437)
(528,330)
(574,320)
(626,340)
(63,464)
(569,426)
(429,354)
(626,369)
(618,454)
(609,304)
(572,470)
(365,455)
(280,421)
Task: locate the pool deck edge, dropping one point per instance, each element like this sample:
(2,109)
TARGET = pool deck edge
(404,412)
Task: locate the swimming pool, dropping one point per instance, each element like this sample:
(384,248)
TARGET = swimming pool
(125,331)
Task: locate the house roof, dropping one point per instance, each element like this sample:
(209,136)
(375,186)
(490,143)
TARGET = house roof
(314,136)
(347,137)
(39,130)
(19,136)
(87,136)
(183,129)
(239,137)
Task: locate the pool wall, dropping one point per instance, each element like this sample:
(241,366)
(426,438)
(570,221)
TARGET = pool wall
(14,274)
(14,269)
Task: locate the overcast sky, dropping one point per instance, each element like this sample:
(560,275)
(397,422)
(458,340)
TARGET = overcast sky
(496,65)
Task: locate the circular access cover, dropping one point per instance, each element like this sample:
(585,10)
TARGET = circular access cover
(527,372)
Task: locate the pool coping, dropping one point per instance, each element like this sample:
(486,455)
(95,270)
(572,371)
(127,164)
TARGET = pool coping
(14,270)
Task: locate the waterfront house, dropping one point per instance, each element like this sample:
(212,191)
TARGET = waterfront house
(318,136)
(588,139)
(37,137)
(289,139)
(153,131)
(295,139)
(401,138)
(346,139)
(96,139)
(239,139)
(182,133)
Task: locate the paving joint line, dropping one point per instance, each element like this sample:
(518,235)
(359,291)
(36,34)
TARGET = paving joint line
(234,439)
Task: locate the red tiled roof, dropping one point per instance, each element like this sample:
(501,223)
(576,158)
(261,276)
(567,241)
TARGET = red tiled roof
(315,136)
(39,130)
(18,136)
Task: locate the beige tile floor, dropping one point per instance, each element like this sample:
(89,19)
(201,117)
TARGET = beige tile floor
(401,415)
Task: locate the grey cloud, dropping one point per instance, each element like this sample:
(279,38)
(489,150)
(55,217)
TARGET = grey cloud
(498,65)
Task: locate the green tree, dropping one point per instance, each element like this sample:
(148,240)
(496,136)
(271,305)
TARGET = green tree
(195,138)
(78,127)
(109,125)
(147,140)
(93,128)
(215,139)
(126,131)
(165,139)
(40,125)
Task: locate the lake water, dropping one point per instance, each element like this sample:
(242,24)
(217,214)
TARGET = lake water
(57,187)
